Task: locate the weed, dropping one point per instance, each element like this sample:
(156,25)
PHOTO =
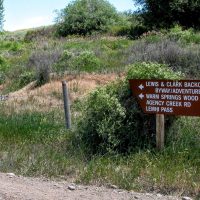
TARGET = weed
(168,52)
(42,62)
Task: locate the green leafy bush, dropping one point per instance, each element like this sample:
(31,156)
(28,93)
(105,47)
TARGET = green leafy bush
(3,69)
(102,121)
(86,61)
(185,36)
(152,71)
(132,29)
(20,80)
(119,30)
(84,17)
(122,27)
(11,45)
(64,63)
(137,31)
(112,120)
(25,78)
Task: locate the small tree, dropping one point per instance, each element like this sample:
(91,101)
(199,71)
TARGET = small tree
(1,15)
(85,16)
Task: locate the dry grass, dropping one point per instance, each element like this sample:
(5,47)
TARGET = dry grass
(50,95)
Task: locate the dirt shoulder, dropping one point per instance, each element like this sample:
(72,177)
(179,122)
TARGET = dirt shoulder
(21,188)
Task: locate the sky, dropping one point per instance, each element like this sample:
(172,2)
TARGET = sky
(22,14)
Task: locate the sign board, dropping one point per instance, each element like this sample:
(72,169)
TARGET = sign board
(168,96)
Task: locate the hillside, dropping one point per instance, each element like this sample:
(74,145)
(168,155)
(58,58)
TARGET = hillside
(33,137)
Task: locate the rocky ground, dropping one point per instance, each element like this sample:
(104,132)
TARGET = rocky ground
(14,187)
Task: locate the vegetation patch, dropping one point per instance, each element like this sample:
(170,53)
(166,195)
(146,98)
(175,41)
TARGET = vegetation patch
(112,120)
(92,16)
(111,141)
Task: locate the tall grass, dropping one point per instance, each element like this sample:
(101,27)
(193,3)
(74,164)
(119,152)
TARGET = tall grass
(37,144)
(174,170)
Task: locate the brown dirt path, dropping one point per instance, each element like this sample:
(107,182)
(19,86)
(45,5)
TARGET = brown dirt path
(20,188)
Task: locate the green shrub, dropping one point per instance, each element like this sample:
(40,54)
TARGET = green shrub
(25,78)
(3,63)
(119,30)
(38,33)
(102,121)
(152,71)
(16,46)
(21,79)
(112,120)
(11,45)
(84,17)
(185,36)
(3,69)
(137,31)
(86,61)
(64,63)
(153,36)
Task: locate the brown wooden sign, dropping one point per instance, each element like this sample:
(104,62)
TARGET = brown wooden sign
(168,96)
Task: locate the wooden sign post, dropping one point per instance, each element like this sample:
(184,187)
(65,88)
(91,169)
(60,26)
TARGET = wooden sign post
(160,131)
(167,97)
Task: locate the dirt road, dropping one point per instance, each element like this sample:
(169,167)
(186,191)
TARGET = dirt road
(20,188)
